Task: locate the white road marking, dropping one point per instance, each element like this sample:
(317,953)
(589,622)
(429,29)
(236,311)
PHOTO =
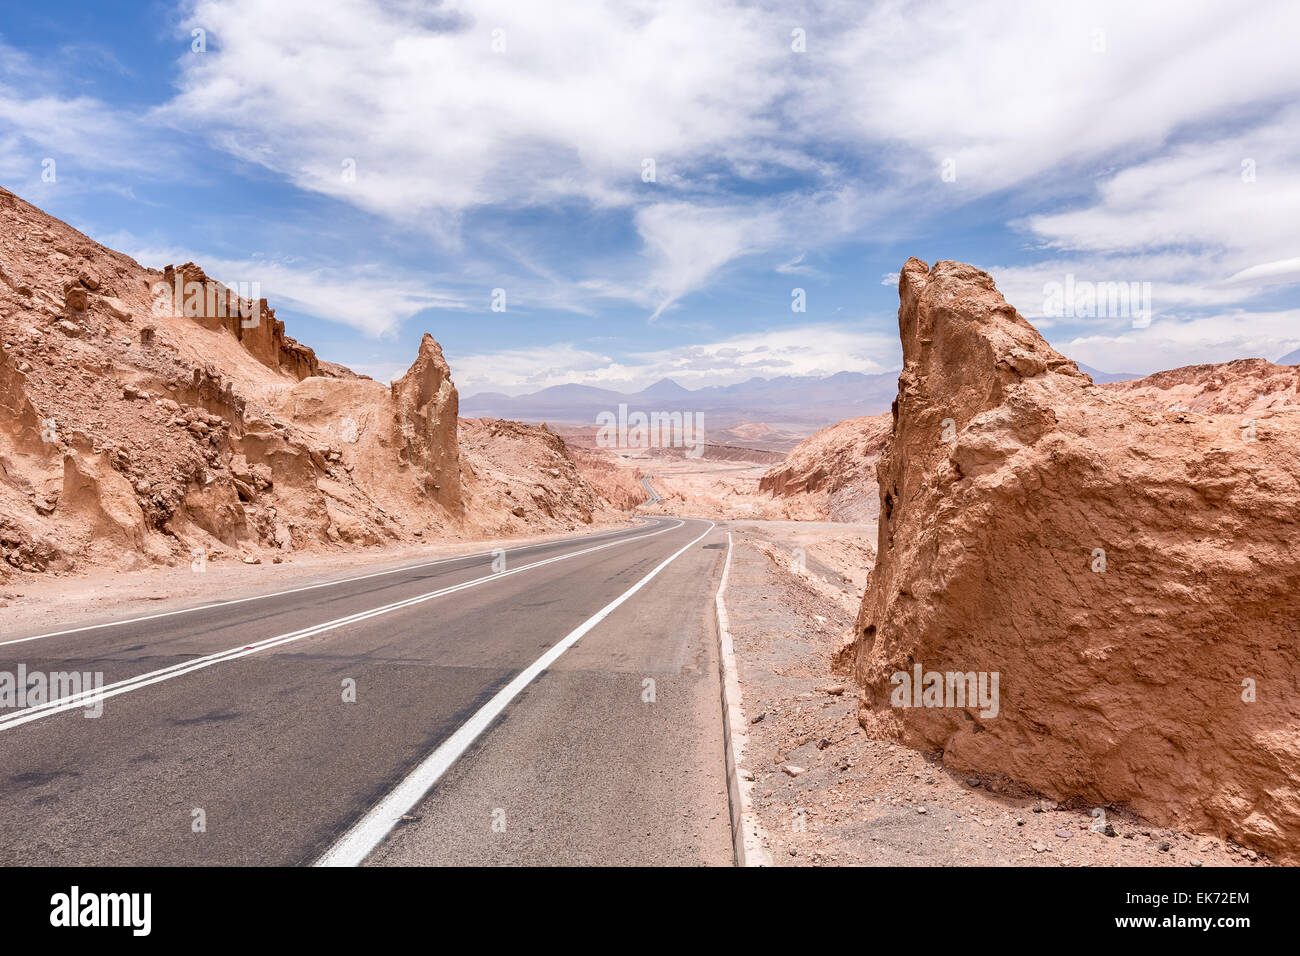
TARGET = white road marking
(747,834)
(90,697)
(309,587)
(355,845)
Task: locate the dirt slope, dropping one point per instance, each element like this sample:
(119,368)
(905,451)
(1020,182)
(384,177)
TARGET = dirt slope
(1132,576)
(518,477)
(834,470)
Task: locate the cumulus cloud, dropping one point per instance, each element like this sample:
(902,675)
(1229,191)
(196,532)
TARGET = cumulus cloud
(1115,136)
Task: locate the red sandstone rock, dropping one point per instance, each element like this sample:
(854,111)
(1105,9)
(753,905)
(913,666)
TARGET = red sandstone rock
(426,404)
(1008,479)
(1245,385)
(190,292)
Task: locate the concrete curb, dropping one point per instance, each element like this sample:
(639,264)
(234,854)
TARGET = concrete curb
(746,832)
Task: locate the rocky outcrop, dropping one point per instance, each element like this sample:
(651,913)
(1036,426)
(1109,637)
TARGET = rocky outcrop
(153,416)
(1132,577)
(25,493)
(518,476)
(426,405)
(619,485)
(188,291)
(834,469)
(19,421)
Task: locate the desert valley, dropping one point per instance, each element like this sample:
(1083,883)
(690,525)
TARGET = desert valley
(1119,559)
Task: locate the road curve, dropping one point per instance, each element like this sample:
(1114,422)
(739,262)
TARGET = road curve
(263,731)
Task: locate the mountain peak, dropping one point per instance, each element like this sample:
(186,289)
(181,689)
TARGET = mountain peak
(665,387)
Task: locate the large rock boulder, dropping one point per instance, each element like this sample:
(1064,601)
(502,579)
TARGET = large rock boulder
(426,407)
(1132,576)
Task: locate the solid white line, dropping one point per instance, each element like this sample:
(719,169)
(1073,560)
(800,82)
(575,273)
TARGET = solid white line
(309,587)
(370,830)
(94,696)
(747,833)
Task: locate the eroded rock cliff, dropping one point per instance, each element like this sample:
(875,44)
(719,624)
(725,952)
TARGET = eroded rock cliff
(151,416)
(1131,575)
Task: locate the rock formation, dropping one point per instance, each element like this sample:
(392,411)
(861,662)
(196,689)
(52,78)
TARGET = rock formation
(426,405)
(1132,576)
(530,469)
(189,292)
(1241,386)
(153,416)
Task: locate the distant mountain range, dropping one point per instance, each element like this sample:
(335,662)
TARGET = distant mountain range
(1101,377)
(802,400)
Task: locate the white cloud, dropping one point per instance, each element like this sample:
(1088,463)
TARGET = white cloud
(437,120)
(798,267)
(1209,224)
(1119,128)
(690,243)
(439,124)
(1198,196)
(365,297)
(1011,90)
(818,350)
(81,133)
(1172,343)
(527,369)
(1268,273)
(78,134)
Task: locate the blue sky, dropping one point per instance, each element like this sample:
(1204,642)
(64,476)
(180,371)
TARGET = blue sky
(501,145)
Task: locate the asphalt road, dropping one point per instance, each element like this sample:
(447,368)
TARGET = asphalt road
(227,735)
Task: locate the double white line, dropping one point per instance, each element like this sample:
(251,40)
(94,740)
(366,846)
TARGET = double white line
(91,697)
(307,587)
